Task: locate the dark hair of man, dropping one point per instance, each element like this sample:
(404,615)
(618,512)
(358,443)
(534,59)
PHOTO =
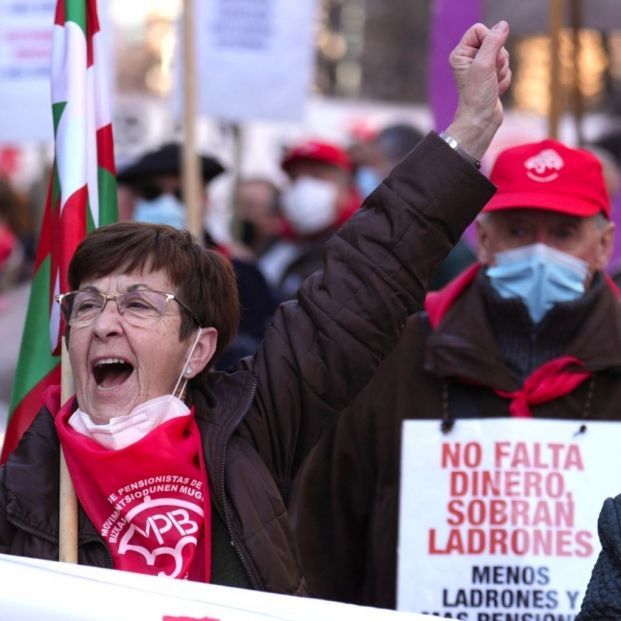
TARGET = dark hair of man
(203,279)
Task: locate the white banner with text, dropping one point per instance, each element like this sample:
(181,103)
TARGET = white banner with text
(498,517)
(255,58)
(25,47)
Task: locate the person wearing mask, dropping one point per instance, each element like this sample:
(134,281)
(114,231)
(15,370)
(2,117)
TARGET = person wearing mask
(259,213)
(532,330)
(155,182)
(320,198)
(228,445)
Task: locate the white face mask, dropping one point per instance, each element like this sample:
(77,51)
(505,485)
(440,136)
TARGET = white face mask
(122,431)
(538,275)
(310,205)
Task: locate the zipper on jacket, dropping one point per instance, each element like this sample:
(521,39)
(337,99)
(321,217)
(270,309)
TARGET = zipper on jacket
(227,518)
(33,531)
(55,541)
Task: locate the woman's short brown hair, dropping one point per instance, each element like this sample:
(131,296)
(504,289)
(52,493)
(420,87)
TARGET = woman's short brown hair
(204,279)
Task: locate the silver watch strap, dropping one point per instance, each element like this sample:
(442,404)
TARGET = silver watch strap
(454,144)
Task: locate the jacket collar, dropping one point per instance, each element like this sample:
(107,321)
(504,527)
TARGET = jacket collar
(219,420)
(463,345)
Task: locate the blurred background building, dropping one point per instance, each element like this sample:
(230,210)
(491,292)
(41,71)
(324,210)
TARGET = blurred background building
(374,50)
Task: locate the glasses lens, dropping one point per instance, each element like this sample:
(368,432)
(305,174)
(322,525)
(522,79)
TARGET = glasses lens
(81,307)
(143,306)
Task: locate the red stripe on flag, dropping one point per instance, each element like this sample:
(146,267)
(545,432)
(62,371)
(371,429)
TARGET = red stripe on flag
(44,247)
(92,27)
(25,412)
(61,14)
(73,231)
(105,148)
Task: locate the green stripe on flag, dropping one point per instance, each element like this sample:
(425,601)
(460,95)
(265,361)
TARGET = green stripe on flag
(35,358)
(108,212)
(57,111)
(75,11)
(90,223)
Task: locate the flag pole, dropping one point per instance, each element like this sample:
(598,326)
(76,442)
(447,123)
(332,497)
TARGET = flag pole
(238,151)
(576,26)
(556,17)
(191,173)
(68,504)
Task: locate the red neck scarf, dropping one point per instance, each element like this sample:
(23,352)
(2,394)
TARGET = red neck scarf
(550,381)
(149,501)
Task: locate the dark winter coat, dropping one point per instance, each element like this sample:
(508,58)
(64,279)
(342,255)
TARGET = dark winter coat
(602,599)
(346,510)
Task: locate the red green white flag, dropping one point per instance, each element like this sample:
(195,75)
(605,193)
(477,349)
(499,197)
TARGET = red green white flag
(81,197)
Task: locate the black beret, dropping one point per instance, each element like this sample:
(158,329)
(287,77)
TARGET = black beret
(166,161)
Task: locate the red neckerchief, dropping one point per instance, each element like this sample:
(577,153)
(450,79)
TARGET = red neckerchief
(550,381)
(149,501)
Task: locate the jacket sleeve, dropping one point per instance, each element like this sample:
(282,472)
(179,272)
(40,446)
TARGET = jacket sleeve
(321,349)
(602,599)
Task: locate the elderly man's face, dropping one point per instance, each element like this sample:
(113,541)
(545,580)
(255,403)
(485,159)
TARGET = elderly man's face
(589,239)
(116,365)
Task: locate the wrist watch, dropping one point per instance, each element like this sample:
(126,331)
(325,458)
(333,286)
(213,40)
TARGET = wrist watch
(451,142)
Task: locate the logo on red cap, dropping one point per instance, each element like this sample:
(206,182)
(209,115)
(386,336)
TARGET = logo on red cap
(544,166)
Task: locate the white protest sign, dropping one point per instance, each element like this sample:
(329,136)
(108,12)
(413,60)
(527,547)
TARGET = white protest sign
(498,517)
(65,592)
(255,58)
(25,47)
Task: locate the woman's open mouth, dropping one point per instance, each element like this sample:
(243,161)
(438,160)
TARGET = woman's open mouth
(111,372)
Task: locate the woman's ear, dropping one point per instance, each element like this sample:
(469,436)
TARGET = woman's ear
(203,351)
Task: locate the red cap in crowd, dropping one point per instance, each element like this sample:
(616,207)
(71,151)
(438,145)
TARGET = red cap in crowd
(549,175)
(317,151)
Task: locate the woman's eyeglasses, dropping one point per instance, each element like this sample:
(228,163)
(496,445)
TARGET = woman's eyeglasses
(140,308)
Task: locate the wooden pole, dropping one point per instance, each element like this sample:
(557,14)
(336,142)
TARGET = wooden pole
(238,150)
(578,100)
(191,173)
(556,20)
(68,504)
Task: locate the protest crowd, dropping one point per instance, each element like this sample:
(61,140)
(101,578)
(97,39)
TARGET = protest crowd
(395,384)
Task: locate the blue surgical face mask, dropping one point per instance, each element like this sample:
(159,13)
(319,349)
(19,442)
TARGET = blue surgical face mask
(367,180)
(165,209)
(538,275)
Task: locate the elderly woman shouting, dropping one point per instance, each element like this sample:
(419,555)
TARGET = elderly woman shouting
(182,471)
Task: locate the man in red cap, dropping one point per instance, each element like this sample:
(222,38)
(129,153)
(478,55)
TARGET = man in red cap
(532,330)
(320,198)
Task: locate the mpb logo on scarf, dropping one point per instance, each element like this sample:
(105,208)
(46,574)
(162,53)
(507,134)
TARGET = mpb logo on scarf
(154,518)
(150,500)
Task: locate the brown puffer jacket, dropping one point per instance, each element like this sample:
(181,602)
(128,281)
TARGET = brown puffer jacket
(259,422)
(345,512)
